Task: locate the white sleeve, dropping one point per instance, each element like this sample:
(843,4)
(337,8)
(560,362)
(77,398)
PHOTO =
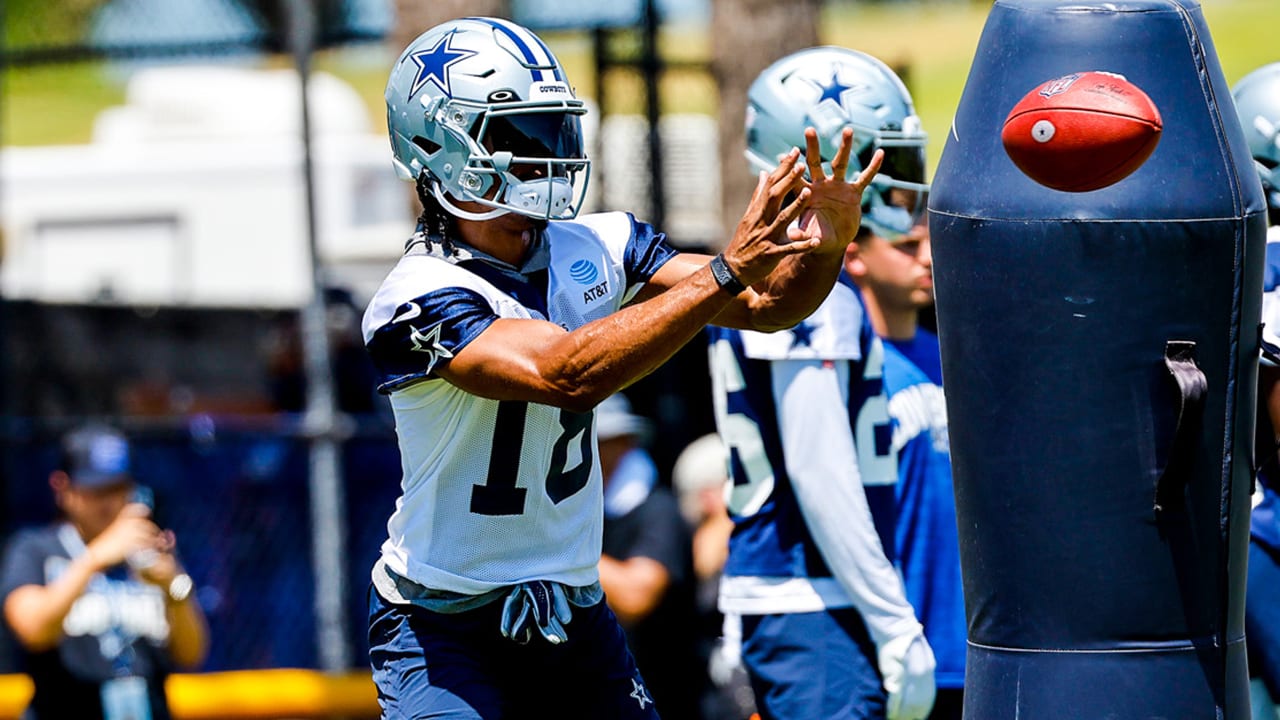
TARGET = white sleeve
(822,463)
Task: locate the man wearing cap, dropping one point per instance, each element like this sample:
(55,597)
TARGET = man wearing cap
(646,568)
(98,602)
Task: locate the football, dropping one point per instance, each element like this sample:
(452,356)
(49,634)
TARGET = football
(1082,131)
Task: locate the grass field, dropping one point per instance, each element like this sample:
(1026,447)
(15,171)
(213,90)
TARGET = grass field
(932,44)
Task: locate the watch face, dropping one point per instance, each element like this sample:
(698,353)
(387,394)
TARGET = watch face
(180,587)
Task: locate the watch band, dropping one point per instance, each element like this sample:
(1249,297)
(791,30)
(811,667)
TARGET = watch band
(725,277)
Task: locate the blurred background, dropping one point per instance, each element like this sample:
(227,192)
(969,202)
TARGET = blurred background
(186,246)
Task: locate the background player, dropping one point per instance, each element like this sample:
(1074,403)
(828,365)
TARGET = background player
(894,273)
(1257,99)
(646,565)
(495,336)
(98,601)
(827,630)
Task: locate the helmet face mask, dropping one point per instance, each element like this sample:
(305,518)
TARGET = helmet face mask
(829,89)
(1257,100)
(481,106)
(892,212)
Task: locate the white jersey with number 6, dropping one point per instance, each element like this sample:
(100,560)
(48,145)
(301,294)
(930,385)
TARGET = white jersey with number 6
(804,416)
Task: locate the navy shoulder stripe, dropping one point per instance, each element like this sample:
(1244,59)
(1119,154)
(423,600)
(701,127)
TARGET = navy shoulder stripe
(647,250)
(424,333)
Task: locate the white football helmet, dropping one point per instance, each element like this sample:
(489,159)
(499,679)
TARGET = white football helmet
(829,89)
(483,108)
(1257,98)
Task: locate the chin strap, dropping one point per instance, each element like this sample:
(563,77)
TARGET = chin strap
(459,212)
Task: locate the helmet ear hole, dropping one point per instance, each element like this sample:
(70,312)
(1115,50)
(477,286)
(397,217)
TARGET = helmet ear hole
(428,147)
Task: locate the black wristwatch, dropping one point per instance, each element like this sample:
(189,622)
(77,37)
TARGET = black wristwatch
(725,277)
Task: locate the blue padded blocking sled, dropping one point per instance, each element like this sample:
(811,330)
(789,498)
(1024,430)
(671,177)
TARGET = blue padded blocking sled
(1099,353)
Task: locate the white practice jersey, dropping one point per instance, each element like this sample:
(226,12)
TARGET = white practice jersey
(496,493)
(805,418)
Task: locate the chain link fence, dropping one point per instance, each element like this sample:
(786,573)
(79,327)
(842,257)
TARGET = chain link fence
(212,397)
(152,267)
(39,31)
(211,400)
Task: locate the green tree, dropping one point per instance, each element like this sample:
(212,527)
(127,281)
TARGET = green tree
(415,16)
(42,23)
(748,35)
(330,17)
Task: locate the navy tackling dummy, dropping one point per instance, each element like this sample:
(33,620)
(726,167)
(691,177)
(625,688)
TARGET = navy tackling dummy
(507,320)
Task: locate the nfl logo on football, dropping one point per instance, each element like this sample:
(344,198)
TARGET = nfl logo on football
(1059,86)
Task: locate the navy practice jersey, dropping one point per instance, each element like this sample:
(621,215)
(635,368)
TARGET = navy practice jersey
(804,415)
(1265,524)
(496,493)
(928,545)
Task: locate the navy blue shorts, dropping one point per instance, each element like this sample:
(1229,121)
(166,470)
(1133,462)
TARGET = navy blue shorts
(460,667)
(817,666)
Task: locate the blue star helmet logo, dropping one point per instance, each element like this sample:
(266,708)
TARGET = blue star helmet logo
(433,64)
(834,89)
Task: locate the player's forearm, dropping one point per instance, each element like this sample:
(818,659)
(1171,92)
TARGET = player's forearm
(837,515)
(793,290)
(633,587)
(600,358)
(188,633)
(824,469)
(846,537)
(36,612)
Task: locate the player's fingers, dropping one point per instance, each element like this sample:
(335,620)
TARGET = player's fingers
(840,164)
(793,245)
(813,154)
(792,210)
(789,185)
(796,233)
(784,177)
(869,172)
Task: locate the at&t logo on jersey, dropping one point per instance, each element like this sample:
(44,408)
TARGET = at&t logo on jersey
(585,272)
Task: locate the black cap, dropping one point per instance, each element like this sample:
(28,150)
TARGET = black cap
(96,456)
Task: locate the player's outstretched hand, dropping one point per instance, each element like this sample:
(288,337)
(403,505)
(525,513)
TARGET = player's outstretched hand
(835,204)
(760,241)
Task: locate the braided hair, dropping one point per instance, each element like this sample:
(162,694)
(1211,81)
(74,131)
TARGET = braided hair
(435,224)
